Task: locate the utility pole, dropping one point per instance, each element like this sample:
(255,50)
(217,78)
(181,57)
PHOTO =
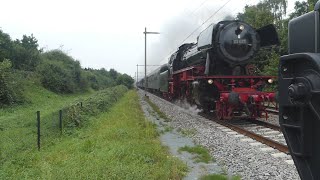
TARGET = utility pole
(137,72)
(145,55)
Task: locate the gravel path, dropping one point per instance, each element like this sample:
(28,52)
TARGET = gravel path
(238,154)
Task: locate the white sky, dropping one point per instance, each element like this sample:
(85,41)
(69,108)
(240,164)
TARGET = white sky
(108,34)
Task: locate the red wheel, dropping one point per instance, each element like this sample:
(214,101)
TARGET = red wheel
(219,111)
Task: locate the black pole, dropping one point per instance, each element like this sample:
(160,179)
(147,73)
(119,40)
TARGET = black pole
(80,104)
(38,126)
(60,121)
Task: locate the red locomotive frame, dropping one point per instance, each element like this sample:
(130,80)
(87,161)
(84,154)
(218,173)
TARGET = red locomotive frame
(251,100)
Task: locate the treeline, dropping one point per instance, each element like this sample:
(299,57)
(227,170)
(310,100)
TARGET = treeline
(23,60)
(274,12)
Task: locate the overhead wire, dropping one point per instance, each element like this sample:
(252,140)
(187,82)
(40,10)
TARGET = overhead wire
(202,24)
(205,21)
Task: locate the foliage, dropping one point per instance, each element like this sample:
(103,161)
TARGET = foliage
(271,68)
(188,132)
(118,144)
(157,110)
(300,9)
(101,78)
(10,91)
(273,12)
(61,73)
(219,177)
(202,154)
(56,77)
(94,105)
(17,124)
(56,70)
(26,55)
(6,46)
(256,15)
(125,80)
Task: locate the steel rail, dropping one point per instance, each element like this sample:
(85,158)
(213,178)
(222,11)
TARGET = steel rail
(269,142)
(281,147)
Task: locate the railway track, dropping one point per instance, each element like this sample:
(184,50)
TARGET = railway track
(272,110)
(261,131)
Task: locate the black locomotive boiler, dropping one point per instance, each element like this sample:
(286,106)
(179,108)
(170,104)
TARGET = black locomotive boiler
(216,72)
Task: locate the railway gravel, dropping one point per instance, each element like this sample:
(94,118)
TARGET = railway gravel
(273,119)
(240,155)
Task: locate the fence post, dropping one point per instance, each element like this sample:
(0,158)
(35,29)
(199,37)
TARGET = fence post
(60,121)
(80,104)
(38,126)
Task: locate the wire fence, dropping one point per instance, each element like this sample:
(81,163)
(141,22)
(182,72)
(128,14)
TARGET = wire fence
(67,119)
(59,122)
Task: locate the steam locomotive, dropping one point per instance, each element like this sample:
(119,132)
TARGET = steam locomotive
(216,73)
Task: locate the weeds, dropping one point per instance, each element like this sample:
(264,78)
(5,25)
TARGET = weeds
(219,177)
(118,144)
(188,132)
(157,110)
(202,154)
(168,128)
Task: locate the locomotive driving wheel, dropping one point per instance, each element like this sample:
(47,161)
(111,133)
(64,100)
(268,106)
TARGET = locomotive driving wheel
(219,110)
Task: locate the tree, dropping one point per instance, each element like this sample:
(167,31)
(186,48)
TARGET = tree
(10,90)
(311,4)
(256,15)
(113,73)
(299,9)
(6,46)
(126,80)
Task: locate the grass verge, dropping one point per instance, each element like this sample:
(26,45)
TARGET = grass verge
(119,144)
(188,132)
(157,110)
(201,152)
(219,177)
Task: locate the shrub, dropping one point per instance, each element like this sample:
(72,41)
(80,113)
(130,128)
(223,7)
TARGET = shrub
(55,77)
(95,104)
(61,73)
(10,90)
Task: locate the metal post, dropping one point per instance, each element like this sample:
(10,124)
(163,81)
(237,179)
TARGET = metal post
(145,59)
(137,72)
(145,55)
(60,121)
(38,129)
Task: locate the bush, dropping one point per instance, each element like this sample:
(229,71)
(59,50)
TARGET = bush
(61,73)
(10,90)
(95,104)
(125,80)
(55,77)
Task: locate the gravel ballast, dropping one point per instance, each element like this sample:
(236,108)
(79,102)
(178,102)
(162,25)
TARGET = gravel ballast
(237,156)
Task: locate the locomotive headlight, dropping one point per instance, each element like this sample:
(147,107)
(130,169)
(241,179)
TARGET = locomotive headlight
(270,81)
(241,27)
(210,81)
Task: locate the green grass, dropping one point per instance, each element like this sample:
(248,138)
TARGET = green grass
(157,110)
(219,177)
(188,132)
(202,154)
(18,123)
(168,128)
(118,144)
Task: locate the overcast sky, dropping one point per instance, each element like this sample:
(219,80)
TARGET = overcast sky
(109,34)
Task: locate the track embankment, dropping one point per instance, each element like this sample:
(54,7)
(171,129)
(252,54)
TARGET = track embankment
(238,153)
